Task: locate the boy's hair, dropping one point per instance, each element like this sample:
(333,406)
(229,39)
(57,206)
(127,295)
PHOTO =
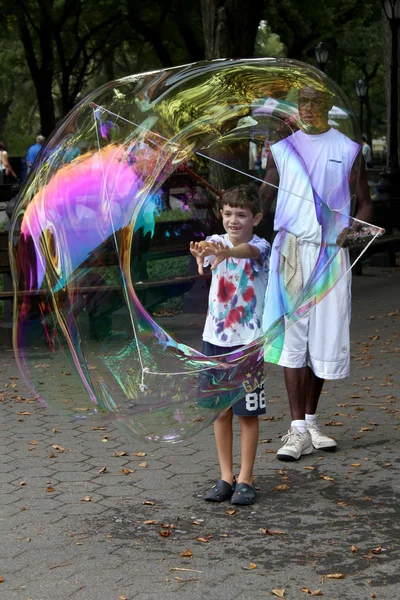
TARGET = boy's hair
(242,196)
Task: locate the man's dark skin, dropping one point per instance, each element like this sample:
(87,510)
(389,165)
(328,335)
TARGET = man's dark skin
(303,386)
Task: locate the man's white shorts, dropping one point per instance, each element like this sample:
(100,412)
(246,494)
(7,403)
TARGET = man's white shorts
(321,339)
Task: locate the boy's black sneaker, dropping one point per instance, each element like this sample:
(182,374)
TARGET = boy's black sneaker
(244,494)
(221,491)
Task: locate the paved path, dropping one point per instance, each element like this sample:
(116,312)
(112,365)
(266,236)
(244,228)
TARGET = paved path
(69,530)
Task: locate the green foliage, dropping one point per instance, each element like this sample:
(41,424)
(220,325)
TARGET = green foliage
(268,44)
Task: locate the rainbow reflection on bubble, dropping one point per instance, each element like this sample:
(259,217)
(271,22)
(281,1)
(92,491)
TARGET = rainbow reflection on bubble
(109,307)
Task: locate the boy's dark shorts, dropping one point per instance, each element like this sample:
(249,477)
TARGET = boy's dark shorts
(253,403)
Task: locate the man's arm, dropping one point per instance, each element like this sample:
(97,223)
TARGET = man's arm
(363,199)
(269,189)
(363,204)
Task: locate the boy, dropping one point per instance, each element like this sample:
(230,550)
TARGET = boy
(239,263)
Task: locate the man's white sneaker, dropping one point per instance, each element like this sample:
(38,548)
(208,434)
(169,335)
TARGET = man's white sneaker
(319,440)
(295,444)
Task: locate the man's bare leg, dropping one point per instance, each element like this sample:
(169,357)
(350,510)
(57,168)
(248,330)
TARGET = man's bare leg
(304,389)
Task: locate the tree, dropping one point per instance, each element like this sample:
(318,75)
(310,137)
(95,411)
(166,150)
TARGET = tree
(62,41)
(230,27)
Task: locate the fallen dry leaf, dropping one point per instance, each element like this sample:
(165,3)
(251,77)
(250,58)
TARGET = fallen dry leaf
(103,470)
(230,511)
(125,471)
(164,533)
(355,465)
(377,550)
(187,554)
(49,489)
(366,428)
(309,467)
(143,465)
(335,576)
(311,592)
(148,502)
(326,477)
(58,448)
(123,598)
(184,580)
(119,454)
(354,548)
(280,592)
(195,522)
(86,499)
(138,453)
(268,532)
(150,522)
(1,579)
(282,488)
(22,483)
(251,566)
(203,540)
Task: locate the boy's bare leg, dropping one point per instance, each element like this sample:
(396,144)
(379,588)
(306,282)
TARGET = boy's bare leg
(249,427)
(224,440)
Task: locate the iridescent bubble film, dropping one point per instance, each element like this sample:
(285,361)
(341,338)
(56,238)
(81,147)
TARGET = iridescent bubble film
(109,304)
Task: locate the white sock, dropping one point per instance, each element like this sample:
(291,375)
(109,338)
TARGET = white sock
(311,419)
(300,425)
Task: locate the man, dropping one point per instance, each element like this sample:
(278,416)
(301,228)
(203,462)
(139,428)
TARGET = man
(314,166)
(366,152)
(33,151)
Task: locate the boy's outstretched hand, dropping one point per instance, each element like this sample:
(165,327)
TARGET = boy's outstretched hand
(220,252)
(200,250)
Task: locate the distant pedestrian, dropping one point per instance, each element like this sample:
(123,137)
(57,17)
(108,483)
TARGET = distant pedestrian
(366,152)
(5,167)
(33,151)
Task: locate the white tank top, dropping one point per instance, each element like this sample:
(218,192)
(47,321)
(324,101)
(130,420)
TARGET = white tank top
(312,168)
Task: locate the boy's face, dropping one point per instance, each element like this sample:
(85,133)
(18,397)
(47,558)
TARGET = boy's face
(238,223)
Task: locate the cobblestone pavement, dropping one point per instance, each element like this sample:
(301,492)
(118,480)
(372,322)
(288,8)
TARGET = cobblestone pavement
(73,525)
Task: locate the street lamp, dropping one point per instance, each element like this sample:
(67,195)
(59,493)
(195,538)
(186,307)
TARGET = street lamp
(321,51)
(362,92)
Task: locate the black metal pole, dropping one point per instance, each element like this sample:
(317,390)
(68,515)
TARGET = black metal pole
(362,116)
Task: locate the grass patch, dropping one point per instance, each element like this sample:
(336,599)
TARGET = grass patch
(168,267)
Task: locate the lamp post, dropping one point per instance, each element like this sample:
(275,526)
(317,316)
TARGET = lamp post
(362,92)
(321,51)
(388,186)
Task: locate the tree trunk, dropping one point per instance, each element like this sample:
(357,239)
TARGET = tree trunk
(230,29)
(387,54)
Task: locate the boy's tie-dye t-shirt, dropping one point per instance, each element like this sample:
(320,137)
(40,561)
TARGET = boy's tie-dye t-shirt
(237,293)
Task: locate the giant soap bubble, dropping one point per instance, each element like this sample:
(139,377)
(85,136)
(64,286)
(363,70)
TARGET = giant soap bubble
(109,306)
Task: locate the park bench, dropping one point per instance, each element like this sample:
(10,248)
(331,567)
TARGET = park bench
(171,240)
